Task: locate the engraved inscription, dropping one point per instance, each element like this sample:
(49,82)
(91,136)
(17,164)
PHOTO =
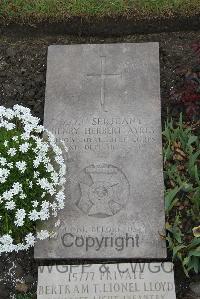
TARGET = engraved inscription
(104,134)
(104,190)
(107,281)
(103,76)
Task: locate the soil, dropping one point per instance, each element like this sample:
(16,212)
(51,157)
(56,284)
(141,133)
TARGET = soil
(130,22)
(22,81)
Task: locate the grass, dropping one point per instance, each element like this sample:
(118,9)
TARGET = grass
(40,10)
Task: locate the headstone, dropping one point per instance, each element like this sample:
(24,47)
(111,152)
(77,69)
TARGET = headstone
(104,102)
(113,281)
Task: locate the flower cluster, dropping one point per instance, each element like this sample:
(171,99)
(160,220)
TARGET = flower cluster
(32,179)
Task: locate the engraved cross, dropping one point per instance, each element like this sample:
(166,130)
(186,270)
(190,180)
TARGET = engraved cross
(103,76)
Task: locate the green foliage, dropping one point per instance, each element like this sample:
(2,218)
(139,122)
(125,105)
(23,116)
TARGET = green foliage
(182,194)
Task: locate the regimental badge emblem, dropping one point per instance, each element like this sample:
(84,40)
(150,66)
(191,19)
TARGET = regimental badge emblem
(104,190)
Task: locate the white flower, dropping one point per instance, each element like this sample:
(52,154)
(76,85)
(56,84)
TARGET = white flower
(57,224)
(21,165)
(54,177)
(62,182)
(16,188)
(10,205)
(7,195)
(39,129)
(24,147)
(33,215)
(9,126)
(61,205)
(44,215)
(4,173)
(54,207)
(25,136)
(43,234)
(36,174)
(5,143)
(64,145)
(3,161)
(43,195)
(45,204)
(20,109)
(52,191)
(45,175)
(12,152)
(6,239)
(37,161)
(43,147)
(10,165)
(20,215)
(62,171)
(49,167)
(22,196)
(28,128)
(30,239)
(60,196)
(57,150)
(59,160)
(44,183)
(35,203)
(9,113)
(20,246)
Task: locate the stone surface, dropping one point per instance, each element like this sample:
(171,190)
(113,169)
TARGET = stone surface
(104,102)
(114,281)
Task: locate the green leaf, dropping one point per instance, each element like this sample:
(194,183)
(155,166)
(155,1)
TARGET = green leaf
(192,161)
(192,139)
(194,264)
(195,252)
(167,153)
(186,260)
(177,248)
(196,175)
(169,197)
(195,242)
